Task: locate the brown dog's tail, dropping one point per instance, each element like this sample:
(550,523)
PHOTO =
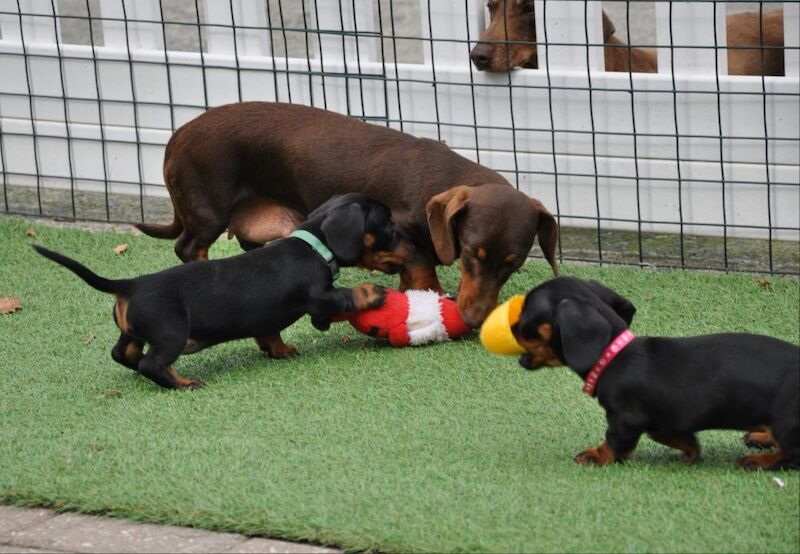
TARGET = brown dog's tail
(548,237)
(169,231)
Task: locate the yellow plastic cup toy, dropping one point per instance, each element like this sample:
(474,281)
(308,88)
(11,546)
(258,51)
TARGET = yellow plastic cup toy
(496,333)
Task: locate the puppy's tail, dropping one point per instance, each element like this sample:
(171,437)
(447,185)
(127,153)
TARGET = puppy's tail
(114,286)
(169,231)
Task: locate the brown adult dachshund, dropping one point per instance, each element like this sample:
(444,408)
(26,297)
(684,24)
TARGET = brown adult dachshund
(257,168)
(519,28)
(743,31)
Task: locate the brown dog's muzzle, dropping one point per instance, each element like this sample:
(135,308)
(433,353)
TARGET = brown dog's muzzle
(481,55)
(477,297)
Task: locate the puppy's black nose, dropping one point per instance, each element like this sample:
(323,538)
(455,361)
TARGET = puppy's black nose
(526,361)
(480,56)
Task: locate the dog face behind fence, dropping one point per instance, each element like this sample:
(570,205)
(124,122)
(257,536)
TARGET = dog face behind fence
(509,41)
(512,35)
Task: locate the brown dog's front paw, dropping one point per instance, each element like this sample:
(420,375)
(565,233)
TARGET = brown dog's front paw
(282,351)
(368,296)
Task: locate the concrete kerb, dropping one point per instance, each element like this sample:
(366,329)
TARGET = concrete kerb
(42,530)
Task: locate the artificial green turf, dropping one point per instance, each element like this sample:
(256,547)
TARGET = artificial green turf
(356,444)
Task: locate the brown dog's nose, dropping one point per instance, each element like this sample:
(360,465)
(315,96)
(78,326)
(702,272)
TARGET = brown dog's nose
(481,55)
(474,316)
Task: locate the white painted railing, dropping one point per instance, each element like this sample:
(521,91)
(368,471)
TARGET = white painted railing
(87,117)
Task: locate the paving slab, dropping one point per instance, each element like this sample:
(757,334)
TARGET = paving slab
(16,519)
(82,533)
(269,546)
(38,530)
(11,549)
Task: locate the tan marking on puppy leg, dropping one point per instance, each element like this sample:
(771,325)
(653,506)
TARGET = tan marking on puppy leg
(771,460)
(760,439)
(133,352)
(274,346)
(600,455)
(121,313)
(687,445)
(184,382)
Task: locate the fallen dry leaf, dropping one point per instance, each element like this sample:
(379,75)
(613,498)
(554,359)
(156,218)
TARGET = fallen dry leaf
(120,248)
(648,297)
(31,232)
(110,394)
(89,338)
(345,339)
(9,304)
(763,283)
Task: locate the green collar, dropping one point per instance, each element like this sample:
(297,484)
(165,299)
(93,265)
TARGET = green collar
(320,248)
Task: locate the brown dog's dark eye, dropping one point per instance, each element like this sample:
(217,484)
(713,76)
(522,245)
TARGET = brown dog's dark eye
(469,261)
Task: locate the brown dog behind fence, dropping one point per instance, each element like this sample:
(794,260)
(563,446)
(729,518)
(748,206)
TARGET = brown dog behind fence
(510,42)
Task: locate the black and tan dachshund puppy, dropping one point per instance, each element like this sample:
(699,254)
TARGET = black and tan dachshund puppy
(669,388)
(257,294)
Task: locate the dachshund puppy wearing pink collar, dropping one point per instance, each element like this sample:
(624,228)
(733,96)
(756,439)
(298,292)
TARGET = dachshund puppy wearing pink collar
(669,388)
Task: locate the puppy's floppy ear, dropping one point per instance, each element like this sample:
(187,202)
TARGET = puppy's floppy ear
(441,210)
(608,27)
(344,228)
(584,332)
(547,231)
(624,307)
(535,310)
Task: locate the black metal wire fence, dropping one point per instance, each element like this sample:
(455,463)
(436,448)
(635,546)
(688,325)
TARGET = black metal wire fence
(661,133)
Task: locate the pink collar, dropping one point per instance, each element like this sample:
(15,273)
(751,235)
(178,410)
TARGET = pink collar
(611,351)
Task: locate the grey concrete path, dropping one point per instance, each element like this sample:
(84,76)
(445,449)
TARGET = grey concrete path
(40,530)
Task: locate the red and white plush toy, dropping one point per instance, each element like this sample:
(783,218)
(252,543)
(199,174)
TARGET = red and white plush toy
(411,318)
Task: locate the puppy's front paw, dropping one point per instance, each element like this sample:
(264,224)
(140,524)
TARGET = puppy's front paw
(321,323)
(600,456)
(282,351)
(771,460)
(589,457)
(368,296)
(759,439)
(193,384)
